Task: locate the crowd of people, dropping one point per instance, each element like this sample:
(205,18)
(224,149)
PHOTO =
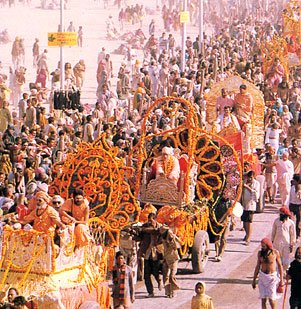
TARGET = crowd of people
(51,123)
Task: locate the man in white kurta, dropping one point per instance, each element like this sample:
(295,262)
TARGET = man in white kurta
(285,173)
(284,236)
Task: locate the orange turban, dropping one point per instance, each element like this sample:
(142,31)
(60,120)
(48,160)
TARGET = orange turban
(268,243)
(148,208)
(43,196)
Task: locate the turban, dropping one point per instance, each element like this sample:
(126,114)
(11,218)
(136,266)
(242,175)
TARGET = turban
(286,211)
(39,170)
(268,243)
(158,112)
(57,198)
(42,187)
(167,150)
(148,208)
(44,196)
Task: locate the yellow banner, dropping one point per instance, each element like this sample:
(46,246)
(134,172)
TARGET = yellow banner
(62,38)
(184,17)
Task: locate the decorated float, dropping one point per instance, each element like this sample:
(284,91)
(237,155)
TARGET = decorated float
(197,207)
(287,46)
(250,136)
(58,276)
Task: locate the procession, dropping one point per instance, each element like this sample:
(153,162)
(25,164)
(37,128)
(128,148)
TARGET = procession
(150,154)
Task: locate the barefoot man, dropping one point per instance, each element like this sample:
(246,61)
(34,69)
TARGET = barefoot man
(268,279)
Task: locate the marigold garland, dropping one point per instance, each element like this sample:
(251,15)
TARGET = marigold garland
(167,165)
(8,263)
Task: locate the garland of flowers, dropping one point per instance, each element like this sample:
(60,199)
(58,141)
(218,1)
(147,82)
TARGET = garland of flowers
(69,248)
(193,121)
(191,225)
(167,165)
(239,169)
(4,248)
(34,256)
(221,232)
(13,235)
(8,263)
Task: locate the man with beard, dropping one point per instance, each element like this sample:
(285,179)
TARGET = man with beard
(284,236)
(268,279)
(294,273)
(44,217)
(283,91)
(76,210)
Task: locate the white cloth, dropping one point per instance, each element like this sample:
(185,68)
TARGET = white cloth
(226,121)
(272,137)
(267,285)
(175,172)
(88,129)
(261,180)
(250,198)
(283,235)
(285,172)
(294,198)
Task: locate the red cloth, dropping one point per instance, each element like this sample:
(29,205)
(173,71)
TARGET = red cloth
(31,305)
(286,211)
(22,211)
(267,242)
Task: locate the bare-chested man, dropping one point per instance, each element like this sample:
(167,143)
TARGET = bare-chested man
(268,278)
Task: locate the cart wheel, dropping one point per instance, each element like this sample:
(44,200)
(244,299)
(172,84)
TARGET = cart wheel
(200,251)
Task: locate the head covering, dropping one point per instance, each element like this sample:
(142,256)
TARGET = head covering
(19,165)
(31,187)
(57,198)
(43,196)
(268,243)
(39,170)
(167,150)
(203,284)
(41,186)
(286,211)
(158,112)
(148,208)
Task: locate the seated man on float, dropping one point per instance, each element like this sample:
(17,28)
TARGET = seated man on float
(167,165)
(76,210)
(44,217)
(227,119)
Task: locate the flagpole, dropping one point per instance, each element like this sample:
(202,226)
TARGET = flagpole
(183,51)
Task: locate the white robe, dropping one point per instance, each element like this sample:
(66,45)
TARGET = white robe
(283,235)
